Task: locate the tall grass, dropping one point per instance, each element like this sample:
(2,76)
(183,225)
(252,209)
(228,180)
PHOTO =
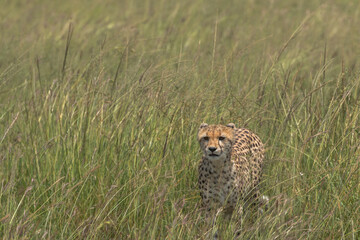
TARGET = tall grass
(100,105)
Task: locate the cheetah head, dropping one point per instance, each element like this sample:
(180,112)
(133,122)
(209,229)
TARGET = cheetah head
(216,140)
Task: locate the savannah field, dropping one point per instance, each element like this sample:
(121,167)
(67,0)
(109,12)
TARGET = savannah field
(100,102)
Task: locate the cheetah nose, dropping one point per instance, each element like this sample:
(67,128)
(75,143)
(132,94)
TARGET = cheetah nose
(212,149)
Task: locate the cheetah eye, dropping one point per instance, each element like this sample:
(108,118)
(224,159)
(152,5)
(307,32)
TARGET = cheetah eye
(206,138)
(221,138)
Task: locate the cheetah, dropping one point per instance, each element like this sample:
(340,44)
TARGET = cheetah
(230,168)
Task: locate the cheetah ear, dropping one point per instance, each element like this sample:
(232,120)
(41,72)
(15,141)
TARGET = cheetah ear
(203,125)
(230,125)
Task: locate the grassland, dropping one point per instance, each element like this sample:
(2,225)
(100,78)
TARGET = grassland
(100,102)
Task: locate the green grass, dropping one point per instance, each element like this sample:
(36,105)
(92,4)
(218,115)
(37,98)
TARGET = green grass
(100,103)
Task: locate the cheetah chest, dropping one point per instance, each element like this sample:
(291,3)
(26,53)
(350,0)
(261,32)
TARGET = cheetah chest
(221,184)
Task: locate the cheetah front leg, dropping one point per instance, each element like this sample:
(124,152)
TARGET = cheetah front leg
(211,212)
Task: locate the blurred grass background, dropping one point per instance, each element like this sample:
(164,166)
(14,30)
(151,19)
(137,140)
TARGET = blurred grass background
(100,102)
